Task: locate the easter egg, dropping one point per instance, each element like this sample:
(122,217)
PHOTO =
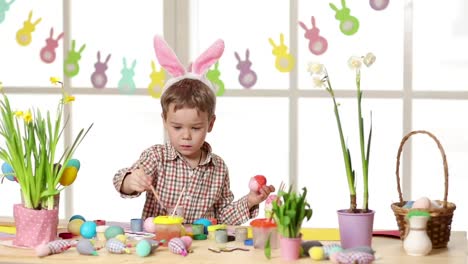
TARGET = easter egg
(77,217)
(422,203)
(68,176)
(316,253)
(73,163)
(257,182)
(74,226)
(113,231)
(187,241)
(88,229)
(7,169)
(149,225)
(143,248)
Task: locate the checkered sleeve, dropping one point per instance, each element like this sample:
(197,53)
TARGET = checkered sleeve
(233,213)
(146,162)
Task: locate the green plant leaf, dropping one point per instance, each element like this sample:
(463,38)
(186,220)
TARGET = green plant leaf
(267,249)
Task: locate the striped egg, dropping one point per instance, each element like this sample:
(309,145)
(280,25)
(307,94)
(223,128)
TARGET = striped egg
(177,246)
(354,257)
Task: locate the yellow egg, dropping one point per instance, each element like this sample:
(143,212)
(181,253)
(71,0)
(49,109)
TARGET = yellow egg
(122,238)
(68,176)
(316,253)
(74,226)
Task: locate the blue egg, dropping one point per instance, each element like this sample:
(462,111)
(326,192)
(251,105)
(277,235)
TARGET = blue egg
(88,229)
(77,217)
(143,248)
(7,169)
(203,221)
(73,163)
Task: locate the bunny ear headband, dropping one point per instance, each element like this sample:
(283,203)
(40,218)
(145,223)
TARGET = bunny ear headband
(169,61)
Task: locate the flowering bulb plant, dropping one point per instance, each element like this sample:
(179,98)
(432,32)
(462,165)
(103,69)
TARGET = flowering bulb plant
(321,79)
(31,139)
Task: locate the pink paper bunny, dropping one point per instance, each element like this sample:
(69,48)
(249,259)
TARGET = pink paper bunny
(317,44)
(169,61)
(247,77)
(99,77)
(48,52)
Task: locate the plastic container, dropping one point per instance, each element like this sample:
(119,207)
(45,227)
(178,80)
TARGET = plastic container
(168,227)
(261,229)
(212,230)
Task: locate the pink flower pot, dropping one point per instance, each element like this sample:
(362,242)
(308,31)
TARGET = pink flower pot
(34,227)
(290,248)
(355,228)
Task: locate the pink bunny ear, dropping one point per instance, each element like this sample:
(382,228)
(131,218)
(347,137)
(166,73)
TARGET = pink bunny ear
(167,58)
(208,58)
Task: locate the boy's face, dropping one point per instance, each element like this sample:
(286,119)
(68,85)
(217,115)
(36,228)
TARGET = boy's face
(187,129)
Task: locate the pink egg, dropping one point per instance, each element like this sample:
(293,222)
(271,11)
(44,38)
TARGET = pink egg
(187,241)
(149,226)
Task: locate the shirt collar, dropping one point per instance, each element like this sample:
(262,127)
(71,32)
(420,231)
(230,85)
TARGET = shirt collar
(174,154)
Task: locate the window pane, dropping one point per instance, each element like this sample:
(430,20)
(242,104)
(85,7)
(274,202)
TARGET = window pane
(237,23)
(10,190)
(251,135)
(441,118)
(120,28)
(22,65)
(380,32)
(321,166)
(124,126)
(440,58)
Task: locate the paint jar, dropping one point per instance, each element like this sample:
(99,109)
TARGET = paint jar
(212,230)
(168,227)
(100,231)
(262,228)
(136,225)
(241,234)
(221,236)
(198,229)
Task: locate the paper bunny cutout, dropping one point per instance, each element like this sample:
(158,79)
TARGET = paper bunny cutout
(126,83)
(99,77)
(4,6)
(23,35)
(247,77)
(169,61)
(213,76)
(378,4)
(158,78)
(48,52)
(317,44)
(284,61)
(349,25)
(71,66)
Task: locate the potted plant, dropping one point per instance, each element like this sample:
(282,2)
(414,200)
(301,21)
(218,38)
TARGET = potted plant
(350,229)
(289,211)
(31,154)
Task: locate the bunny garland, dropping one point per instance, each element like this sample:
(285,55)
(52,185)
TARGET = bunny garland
(24,34)
(169,61)
(317,44)
(4,7)
(48,52)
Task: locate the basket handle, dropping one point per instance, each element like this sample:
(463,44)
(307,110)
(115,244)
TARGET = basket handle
(444,159)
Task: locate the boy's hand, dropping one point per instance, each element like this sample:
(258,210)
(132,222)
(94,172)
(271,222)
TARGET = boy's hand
(255,198)
(136,181)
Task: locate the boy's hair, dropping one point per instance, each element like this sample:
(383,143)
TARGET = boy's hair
(189,93)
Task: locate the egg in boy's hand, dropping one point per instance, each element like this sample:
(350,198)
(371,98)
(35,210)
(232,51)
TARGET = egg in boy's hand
(257,182)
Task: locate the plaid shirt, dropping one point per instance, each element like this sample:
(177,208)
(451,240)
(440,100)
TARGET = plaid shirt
(207,187)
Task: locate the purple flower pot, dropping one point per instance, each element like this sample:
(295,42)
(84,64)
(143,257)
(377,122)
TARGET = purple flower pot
(355,228)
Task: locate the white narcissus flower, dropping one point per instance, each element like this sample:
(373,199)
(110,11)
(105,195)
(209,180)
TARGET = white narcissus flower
(317,81)
(315,68)
(354,62)
(369,59)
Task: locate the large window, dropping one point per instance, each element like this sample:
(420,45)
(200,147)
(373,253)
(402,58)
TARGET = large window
(281,127)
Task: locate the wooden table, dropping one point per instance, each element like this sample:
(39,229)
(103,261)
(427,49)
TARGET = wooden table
(388,250)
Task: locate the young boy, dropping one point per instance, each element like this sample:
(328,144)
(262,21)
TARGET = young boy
(185,167)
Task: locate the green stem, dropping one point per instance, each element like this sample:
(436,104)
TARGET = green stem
(364,159)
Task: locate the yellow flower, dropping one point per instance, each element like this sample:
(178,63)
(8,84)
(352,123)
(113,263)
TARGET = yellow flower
(18,114)
(68,99)
(27,117)
(55,80)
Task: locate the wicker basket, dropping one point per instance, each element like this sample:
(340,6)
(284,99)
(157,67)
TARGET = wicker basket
(439,225)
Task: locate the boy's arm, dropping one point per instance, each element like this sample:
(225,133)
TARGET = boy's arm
(233,212)
(146,162)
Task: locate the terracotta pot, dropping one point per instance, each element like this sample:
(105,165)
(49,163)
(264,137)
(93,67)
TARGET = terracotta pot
(355,228)
(290,248)
(34,227)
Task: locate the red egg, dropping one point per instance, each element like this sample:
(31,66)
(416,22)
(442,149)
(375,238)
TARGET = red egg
(257,182)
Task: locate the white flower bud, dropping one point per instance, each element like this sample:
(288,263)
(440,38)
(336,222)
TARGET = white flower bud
(354,62)
(315,68)
(369,59)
